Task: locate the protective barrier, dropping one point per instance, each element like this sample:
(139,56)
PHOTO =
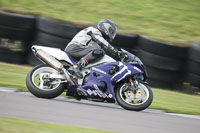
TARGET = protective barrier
(16,34)
(166,64)
(193,65)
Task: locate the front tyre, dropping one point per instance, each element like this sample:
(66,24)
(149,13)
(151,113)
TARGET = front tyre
(135,100)
(40,85)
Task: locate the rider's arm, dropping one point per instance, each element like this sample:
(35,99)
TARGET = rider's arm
(103,43)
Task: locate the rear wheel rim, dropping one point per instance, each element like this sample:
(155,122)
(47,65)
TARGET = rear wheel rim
(128,96)
(41,83)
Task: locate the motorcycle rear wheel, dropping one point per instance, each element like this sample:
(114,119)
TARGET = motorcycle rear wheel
(37,85)
(137,101)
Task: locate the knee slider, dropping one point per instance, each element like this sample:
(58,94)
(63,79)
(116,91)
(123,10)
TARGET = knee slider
(98,53)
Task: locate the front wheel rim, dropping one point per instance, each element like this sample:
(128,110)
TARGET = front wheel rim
(128,96)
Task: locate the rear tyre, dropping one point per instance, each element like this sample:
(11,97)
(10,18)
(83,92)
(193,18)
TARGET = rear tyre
(134,101)
(42,87)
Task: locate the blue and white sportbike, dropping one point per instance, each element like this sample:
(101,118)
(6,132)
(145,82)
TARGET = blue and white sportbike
(107,80)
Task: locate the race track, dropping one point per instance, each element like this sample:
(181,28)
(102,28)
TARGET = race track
(95,115)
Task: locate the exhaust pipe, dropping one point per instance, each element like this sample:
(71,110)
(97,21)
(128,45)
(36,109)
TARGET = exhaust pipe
(44,56)
(48,59)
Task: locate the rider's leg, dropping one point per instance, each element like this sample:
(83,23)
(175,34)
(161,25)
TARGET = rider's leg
(85,55)
(92,56)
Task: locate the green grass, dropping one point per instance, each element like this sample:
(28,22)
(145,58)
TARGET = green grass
(14,76)
(176,102)
(8,125)
(172,21)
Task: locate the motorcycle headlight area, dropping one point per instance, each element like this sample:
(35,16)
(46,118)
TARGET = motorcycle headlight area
(139,77)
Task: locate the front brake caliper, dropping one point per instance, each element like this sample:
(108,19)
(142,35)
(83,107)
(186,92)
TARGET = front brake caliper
(133,84)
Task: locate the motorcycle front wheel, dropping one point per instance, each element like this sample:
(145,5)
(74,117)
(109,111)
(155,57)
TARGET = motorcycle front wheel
(135,100)
(40,85)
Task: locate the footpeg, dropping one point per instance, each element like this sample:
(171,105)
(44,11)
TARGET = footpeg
(76,72)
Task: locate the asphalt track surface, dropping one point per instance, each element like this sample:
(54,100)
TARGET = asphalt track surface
(94,115)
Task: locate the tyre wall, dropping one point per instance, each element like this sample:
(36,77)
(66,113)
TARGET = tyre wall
(167,65)
(16,34)
(193,65)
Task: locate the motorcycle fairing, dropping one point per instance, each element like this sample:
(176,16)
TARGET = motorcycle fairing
(101,83)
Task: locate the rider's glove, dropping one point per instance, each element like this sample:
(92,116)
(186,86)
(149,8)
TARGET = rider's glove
(122,55)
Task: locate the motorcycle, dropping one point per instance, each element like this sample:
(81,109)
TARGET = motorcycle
(106,80)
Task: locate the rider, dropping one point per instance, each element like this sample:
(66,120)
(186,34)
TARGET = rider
(91,44)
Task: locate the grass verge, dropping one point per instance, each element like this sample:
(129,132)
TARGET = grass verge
(14,76)
(176,102)
(8,125)
(172,21)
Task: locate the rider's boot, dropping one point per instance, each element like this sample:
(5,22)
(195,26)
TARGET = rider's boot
(80,93)
(76,69)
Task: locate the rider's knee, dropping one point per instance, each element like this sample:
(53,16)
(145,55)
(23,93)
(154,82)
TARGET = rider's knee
(98,53)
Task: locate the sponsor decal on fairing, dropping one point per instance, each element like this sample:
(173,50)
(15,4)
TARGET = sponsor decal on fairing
(98,70)
(98,92)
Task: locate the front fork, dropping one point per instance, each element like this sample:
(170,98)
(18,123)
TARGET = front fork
(134,83)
